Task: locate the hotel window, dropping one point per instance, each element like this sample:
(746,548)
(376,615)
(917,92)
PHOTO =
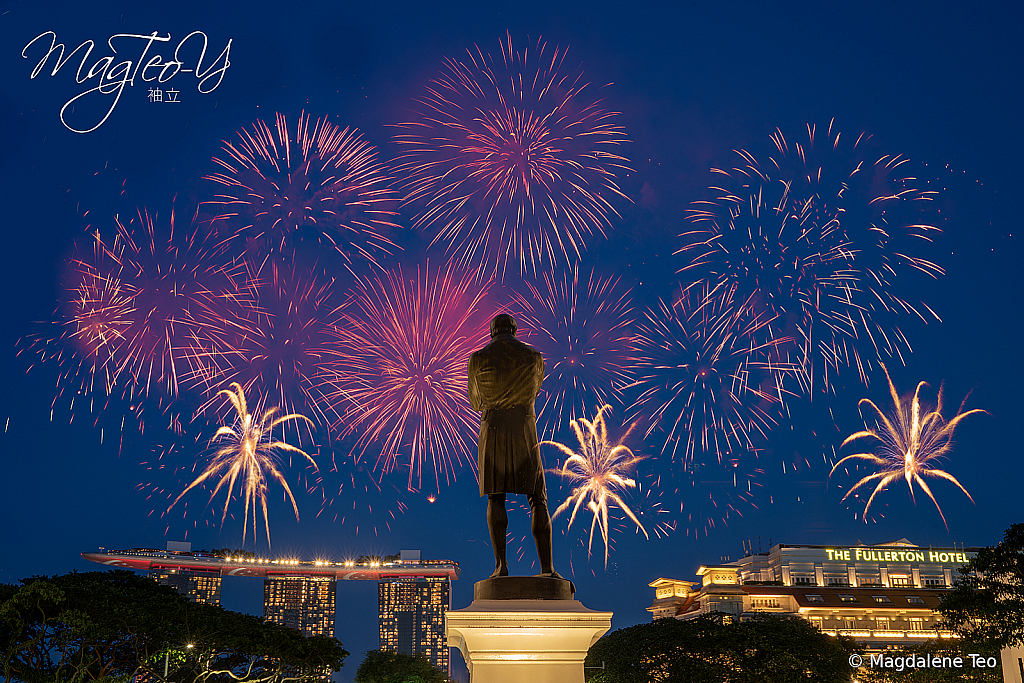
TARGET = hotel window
(937,582)
(815,598)
(882,623)
(851,623)
(899,580)
(916,624)
(914,599)
(816,622)
(805,581)
(871,580)
(837,580)
(846,598)
(882,599)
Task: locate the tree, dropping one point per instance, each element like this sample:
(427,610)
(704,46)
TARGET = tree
(986,605)
(395,667)
(116,625)
(713,649)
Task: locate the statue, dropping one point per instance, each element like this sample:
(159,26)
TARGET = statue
(504,379)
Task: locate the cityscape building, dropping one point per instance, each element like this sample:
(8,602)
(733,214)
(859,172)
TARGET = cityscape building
(883,595)
(306,603)
(414,594)
(199,585)
(412,615)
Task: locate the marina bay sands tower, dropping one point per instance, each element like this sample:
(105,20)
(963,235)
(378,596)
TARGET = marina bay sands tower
(414,595)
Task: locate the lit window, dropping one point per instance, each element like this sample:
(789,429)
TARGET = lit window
(914,599)
(882,599)
(847,598)
(815,598)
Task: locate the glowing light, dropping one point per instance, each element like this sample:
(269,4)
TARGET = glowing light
(600,470)
(909,444)
(248,456)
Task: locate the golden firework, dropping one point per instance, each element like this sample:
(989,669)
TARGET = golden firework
(248,456)
(599,469)
(910,443)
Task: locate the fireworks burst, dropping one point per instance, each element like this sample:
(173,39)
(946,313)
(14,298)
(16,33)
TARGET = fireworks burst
(910,443)
(141,311)
(511,159)
(714,492)
(283,340)
(248,455)
(706,380)
(401,385)
(599,469)
(819,235)
(281,185)
(585,335)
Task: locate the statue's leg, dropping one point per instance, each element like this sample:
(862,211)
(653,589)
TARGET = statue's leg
(497,524)
(540,524)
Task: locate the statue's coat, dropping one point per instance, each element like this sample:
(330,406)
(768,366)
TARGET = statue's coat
(504,379)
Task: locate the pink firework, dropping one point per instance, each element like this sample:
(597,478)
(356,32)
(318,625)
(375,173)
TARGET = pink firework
(315,180)
(144,308)
(585,332)
(283,341)
(401,384)
(510,160)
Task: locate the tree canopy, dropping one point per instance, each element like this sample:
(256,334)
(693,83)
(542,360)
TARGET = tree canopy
(713,649)
(116,625)
(986,605)
(395,667)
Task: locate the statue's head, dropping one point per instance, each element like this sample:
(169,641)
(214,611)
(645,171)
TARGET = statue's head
(503,324)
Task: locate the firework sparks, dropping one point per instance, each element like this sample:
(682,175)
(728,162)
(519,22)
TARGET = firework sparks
(819,236)
(511,160)
(141,311)
(909,444)
(402,382)
(282,341)
(282,184)
(585,333)
(599,469)
(707,382)
(247,457)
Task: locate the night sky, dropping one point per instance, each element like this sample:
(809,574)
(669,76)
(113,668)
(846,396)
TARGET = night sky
(939,84)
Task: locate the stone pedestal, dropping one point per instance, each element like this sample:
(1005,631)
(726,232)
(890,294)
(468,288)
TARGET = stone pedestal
(507,636)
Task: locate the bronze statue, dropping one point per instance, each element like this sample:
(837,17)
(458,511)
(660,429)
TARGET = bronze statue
(504,379)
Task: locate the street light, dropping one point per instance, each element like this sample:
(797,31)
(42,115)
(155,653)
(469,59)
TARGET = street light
(167,657)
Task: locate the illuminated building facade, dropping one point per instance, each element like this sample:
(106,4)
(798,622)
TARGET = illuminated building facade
(197,584)
(305,603)
(883,595)
(412,614)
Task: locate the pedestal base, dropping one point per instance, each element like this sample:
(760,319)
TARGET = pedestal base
(517,641)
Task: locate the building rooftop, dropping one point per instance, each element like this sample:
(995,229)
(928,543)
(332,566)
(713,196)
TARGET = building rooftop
(146,559)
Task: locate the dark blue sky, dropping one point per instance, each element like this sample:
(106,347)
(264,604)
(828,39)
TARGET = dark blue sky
(940,84)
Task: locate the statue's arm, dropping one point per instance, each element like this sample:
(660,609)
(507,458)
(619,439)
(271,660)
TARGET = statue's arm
(474,387)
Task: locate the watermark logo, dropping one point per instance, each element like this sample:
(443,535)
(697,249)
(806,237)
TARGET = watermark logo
(108,77)
(901,663)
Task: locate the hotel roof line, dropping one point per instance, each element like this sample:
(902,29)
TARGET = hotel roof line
(149,559)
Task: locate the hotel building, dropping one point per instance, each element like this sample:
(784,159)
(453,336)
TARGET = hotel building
(412,615)
(882,595)
(199,585)
(305,603)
